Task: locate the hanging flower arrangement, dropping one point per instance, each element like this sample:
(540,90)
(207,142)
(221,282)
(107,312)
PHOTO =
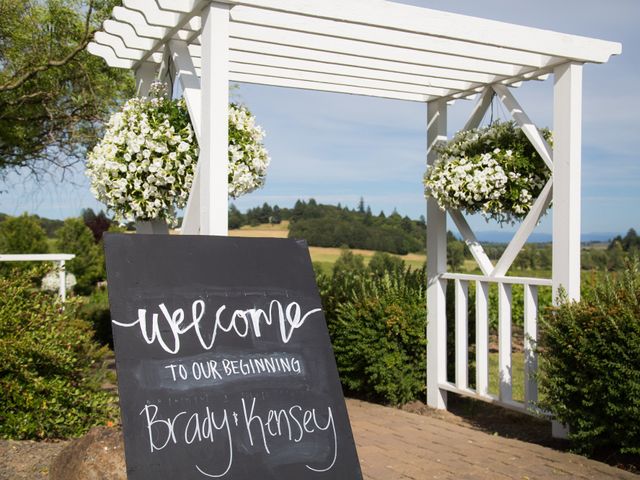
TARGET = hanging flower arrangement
(493,170)
(143,167)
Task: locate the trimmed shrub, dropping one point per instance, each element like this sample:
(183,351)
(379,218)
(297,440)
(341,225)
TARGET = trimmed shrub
(50,367)
(378,332)
(347,274)
(95,311)
(590,365)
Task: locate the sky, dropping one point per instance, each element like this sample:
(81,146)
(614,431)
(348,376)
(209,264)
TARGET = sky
(340,148)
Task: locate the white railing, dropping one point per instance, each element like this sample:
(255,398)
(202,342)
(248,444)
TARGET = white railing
(481,390)
(59,258)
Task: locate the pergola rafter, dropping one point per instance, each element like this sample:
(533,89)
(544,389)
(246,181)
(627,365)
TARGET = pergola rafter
(381,49)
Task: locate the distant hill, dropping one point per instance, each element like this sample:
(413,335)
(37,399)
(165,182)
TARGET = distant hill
(337,226)
(505,237)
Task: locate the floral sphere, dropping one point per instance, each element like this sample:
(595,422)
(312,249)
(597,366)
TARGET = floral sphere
(143,167)
(494,171)
(248,159)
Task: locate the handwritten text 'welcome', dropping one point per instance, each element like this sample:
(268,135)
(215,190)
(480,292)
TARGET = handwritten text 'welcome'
(241,322)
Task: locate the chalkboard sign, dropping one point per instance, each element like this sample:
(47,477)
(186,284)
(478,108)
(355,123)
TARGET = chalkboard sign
(225,368)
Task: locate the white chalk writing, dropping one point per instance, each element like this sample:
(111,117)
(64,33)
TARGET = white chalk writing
(241,322)
(213,370)
(292,423)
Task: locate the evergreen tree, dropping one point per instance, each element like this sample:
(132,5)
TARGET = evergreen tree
(236,219)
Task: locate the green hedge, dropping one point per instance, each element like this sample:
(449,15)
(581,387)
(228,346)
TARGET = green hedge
(50,367)
(377,321)
(590,365)
(94,309)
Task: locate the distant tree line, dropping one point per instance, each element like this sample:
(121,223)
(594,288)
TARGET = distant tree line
(338,226)
(619,251)
(331,226)
(629,243)
(257,216)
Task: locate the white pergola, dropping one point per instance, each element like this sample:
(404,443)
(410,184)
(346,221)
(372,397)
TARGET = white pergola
(382,49)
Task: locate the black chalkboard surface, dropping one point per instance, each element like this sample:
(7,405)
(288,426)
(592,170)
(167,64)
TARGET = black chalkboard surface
(225,368)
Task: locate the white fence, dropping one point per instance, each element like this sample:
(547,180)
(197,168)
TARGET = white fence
(505,321)
(59,258)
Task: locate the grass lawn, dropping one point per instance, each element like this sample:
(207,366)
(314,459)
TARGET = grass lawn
(517,375)
(266,230)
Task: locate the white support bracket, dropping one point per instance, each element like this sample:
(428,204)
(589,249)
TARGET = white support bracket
(480,256)
(480,108)
(541,203)
(528,127)
(472,242)
(526,228)
(145,75)
(189,82)
(191,90)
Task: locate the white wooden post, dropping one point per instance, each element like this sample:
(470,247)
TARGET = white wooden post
(567,149)
(567,138)
(145,75)
(63,281)
(215,117)
(436,265)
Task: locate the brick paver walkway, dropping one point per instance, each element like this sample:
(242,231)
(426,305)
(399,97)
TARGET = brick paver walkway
(394,445)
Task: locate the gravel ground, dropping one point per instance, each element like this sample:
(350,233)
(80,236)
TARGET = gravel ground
(27,460)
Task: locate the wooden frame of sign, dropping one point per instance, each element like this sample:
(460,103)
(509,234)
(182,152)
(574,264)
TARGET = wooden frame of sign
(225,367)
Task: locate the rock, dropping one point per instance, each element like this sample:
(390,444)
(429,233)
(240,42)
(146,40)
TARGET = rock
(99,455)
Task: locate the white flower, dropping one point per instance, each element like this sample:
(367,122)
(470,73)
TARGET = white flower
(143,167)
(479,171)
